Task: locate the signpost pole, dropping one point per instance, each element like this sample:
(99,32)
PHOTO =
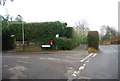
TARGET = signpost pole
(57,35)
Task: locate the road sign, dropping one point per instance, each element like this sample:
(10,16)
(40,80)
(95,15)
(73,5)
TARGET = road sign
(46,46)
(57,35)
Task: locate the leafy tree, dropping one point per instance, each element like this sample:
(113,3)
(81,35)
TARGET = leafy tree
(107,32)
(7,40)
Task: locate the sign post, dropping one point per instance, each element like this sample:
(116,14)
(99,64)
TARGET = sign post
(57,35)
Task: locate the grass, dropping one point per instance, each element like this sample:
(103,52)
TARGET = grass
(92,50)
(28,49)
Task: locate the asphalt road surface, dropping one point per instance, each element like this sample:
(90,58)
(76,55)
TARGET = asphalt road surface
(72,64)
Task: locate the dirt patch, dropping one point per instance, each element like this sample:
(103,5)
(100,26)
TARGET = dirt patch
(92,50)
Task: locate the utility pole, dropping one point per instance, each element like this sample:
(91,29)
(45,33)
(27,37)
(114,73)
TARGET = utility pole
(110,38)
(23,35)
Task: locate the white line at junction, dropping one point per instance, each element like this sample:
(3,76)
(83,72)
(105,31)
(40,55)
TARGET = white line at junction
(86,57)
(24,57)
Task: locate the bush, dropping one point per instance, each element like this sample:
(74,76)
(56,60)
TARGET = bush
(83,39)
(63,43)
(42,33)
(69,32)
(71,40)
(93,39)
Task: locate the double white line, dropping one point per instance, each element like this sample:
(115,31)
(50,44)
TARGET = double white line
(75,73)
(88,57)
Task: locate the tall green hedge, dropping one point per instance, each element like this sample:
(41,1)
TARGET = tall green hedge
(68,42)
(93,39)
(43,32)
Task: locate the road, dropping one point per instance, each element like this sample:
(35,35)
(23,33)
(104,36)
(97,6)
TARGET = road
(72,64)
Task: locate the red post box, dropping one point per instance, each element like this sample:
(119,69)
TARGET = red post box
(51,42)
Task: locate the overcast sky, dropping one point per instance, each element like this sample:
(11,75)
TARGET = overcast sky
(95,12)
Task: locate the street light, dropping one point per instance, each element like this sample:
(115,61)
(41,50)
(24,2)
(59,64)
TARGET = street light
(22,31)
(110,38)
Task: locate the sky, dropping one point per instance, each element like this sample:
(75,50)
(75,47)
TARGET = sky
(95,12)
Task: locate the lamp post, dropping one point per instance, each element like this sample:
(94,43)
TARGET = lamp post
(23,36)
(110,38)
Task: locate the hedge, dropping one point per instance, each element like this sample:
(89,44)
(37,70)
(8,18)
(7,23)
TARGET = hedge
(43,32)
(37,30)
(62,43)
(93,39)
(71,40)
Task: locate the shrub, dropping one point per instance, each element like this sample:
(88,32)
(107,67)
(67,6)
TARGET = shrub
(69,32)
(71,40)
(93,39)
(43,32)
(83,39)
(63,43)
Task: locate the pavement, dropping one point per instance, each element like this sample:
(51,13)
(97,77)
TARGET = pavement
(69,65)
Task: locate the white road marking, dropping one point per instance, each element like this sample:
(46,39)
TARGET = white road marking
(86,57)
(42,58)
(94,55)
(73,57)
(24,57)
(5,65)
(74,74)
(87,61)
(81,68)
(70,71)
(78,72)
(50,59)
(53,59)
(24,61)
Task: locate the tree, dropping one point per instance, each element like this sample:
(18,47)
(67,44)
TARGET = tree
(107,29)
(106,32)
(82,27)
(2,2)
(7,40)
(18,19)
